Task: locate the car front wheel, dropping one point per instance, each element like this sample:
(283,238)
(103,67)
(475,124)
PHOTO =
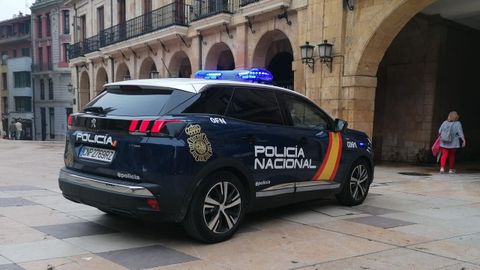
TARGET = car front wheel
(357,184)
(217,208)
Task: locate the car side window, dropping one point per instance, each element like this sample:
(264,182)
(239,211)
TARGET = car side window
(303,114)
(211,101)
(255,105)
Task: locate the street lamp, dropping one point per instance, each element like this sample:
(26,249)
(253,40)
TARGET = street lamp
(307,55)
(325,53)
(70,88)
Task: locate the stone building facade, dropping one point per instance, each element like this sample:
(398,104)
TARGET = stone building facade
(133,39)
(16,93)
(51,26)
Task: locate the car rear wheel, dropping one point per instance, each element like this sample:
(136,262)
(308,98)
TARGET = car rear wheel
(217,208)
(357,184)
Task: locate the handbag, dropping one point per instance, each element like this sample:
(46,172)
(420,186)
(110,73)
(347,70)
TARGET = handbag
(436,147)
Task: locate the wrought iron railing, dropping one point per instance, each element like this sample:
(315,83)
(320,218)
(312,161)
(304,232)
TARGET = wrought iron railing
(169,15)
(203,9)
(247,2)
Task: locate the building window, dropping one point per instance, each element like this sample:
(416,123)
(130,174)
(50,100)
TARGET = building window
(39,26)
(23,104)
(66,22)
(26,52)
(49,25)
(42,89)
(51,122)
(65,52)
(50,89)
(4,81)
(14,53)
(49,57)
(4,58)
(21,79)
(5,104)
(83,28)
(100,19)
(40,57)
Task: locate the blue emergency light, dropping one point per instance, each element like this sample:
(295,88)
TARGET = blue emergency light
(256,75)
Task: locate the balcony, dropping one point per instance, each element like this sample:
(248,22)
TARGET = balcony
(14,37)
(256,7)
(204,9)
(42,67)
(247,2)
(170,15)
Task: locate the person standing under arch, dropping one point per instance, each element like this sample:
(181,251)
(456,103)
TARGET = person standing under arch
(450,133)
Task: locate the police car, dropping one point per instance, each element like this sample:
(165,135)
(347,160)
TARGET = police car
(204,152)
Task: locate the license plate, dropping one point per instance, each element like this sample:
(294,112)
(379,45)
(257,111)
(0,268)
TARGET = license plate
(93,153)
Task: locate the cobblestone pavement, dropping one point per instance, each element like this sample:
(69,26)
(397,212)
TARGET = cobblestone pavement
(407,222)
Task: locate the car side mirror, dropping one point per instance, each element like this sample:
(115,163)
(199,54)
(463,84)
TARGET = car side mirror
(340,125)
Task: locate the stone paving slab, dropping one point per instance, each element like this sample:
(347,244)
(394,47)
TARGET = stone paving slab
(4,261)
(110,242)
(7,202)
(146,257)
(69,230)
(32,251)
(381,222)
(11,267)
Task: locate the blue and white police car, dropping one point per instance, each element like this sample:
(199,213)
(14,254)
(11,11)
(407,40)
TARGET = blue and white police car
(203,152)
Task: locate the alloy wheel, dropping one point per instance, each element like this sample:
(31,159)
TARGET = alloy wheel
(359,182)
(222,207)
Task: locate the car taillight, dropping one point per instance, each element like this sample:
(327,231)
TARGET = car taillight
(152,126)
(70,120)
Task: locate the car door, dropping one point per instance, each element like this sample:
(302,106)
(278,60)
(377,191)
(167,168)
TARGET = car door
(313,129)
(261,140)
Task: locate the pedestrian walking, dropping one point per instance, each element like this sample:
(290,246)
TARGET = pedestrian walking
(451,138)
(18,130)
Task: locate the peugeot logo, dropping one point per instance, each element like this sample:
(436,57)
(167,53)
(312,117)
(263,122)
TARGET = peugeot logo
(93,123)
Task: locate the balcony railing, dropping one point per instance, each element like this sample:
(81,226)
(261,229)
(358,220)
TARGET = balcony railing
(42,67)
(169,15)
(247,2)
(203,9)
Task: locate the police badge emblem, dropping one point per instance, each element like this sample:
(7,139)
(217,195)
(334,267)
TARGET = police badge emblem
(199,145)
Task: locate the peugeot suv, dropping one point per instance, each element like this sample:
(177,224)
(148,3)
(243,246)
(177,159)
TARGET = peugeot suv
(203,153)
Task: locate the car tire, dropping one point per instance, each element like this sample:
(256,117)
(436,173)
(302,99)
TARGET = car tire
(217,208)
(356,185)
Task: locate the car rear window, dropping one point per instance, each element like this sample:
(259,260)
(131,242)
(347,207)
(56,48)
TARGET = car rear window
(132,101)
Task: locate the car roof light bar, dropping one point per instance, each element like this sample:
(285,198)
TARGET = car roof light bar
(257,75)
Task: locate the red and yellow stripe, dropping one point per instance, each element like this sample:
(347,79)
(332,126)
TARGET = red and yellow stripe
(329,167)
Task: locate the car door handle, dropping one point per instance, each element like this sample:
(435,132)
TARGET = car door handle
(249,138)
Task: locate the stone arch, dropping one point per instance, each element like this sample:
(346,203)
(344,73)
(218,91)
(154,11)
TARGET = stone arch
(274,52)
(385,26)
(180,66)
(84,90)
(123,73)
(146,68)
(220,57)
(101,80)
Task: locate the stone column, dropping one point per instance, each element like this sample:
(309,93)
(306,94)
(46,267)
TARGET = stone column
(241,47)
(357,102)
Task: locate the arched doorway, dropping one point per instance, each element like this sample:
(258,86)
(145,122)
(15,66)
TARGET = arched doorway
(274,52)
(123,73)
(220,57)
(180,66)
(101,80)
(148,69)
(84,90)
(425,67)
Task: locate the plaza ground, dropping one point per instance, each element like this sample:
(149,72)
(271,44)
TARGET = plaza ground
(430,221)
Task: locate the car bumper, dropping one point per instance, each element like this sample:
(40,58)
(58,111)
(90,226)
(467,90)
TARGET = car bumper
(111,195)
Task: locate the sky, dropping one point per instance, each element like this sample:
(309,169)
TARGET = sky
(10,7)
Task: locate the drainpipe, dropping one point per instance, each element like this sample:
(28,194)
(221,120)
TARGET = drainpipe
(34,126)
(200,49)
(77,101)
(111,13)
